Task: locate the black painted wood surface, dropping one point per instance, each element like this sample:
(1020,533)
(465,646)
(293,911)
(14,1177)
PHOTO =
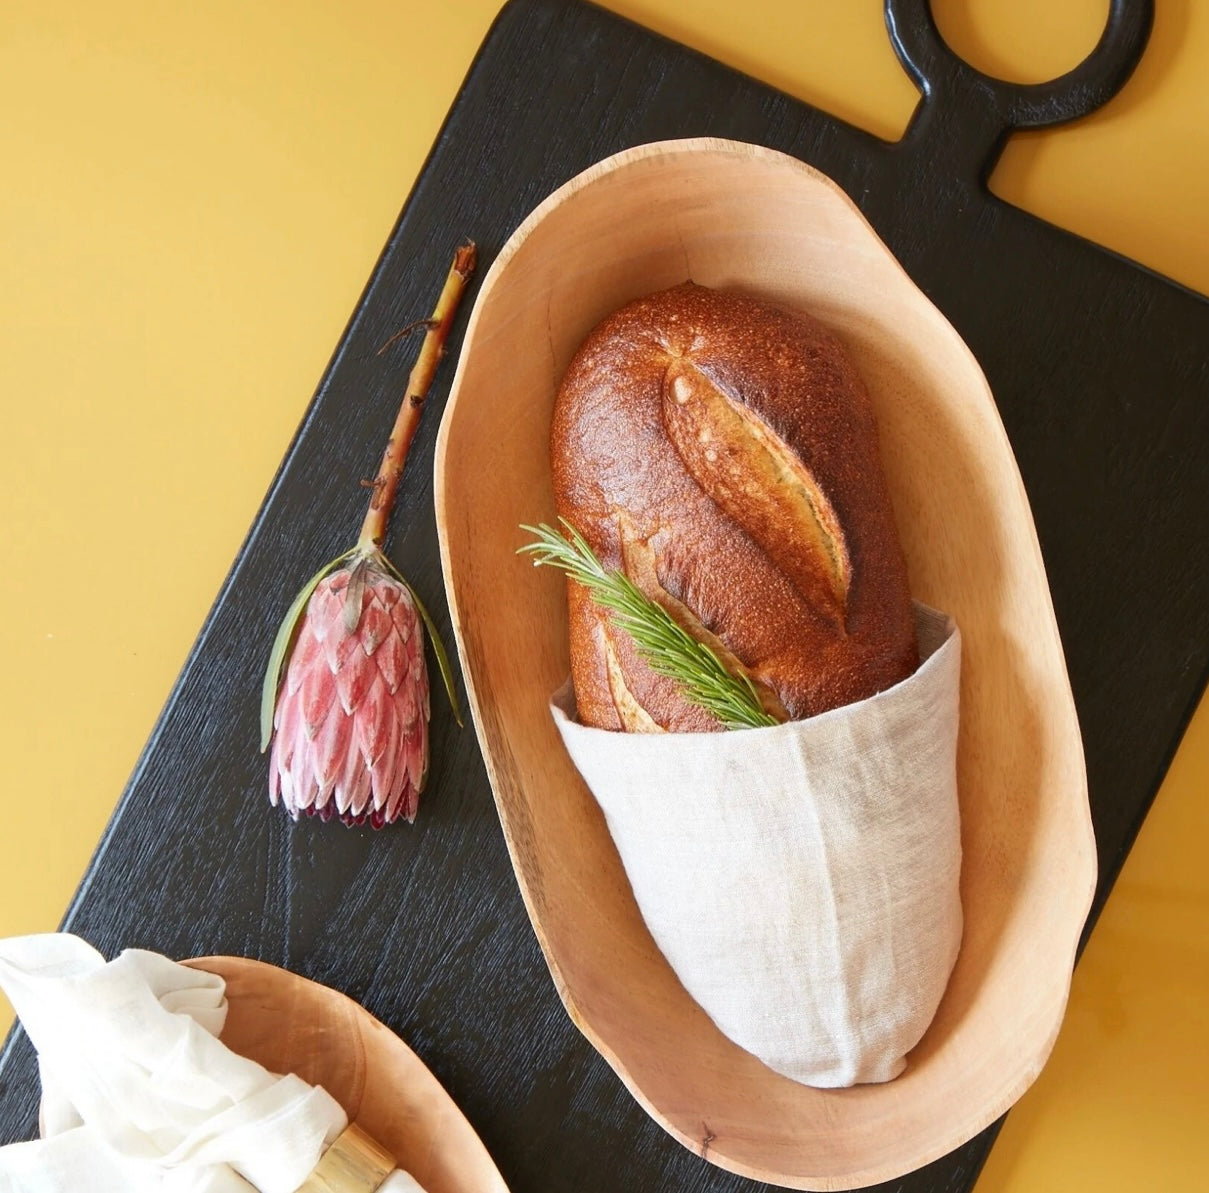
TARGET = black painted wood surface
(1101,372)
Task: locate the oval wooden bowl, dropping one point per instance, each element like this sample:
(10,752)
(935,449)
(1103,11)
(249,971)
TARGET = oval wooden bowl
(728,214)
(292,1025)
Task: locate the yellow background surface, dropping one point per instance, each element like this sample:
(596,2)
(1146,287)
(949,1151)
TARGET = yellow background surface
(193,198)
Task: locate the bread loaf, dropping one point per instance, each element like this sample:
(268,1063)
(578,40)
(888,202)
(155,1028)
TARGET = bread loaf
(723,453)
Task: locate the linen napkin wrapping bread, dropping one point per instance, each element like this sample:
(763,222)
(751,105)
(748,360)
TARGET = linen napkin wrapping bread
(137,1091)
(803,880)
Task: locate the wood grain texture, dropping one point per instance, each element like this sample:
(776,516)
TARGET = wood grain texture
(763,223)
(291,1025)
(1100,373)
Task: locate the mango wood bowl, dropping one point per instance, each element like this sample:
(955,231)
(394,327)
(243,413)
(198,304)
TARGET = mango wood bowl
(292,1025)
(733,215)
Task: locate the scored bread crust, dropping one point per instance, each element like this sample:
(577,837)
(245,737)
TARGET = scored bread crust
(723,453)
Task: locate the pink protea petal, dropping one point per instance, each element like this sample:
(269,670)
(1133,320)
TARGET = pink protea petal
(390,812)
(381,781)
(374,720)
(306,654)
(288,723)
(411,694)
(340,799)
(288,794)
(417,678)
(323,798)
(325,609)
(409,804)
(353,774)
(330,749)
(359,791)
(416,748)
(301,770)
(375,624)
(388,764)
(392,662)
(312,700)
(418,674)
(338,646)
(354,678)
(407,706)
(404,615)
(402,793)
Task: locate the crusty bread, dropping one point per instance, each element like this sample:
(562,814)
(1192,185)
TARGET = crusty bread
(724,454)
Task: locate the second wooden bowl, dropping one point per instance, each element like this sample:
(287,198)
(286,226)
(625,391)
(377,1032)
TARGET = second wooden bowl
(292,1025)
(727,214)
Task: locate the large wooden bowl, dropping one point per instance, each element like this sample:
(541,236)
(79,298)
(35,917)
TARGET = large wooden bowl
(291,1025)
(727,214)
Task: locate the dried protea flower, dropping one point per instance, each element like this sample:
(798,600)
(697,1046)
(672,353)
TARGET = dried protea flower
(351,727)
(349,724)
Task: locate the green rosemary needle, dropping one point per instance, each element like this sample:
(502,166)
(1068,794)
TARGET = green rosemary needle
(663,643)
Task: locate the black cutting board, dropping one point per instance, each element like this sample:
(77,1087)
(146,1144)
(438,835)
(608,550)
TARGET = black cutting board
(1101,372)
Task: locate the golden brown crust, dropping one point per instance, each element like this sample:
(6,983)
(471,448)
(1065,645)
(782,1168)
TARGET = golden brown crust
(736,444)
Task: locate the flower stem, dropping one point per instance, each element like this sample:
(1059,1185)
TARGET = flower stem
(386,484)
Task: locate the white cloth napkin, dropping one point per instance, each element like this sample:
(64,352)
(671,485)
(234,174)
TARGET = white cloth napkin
(138,1094)
(802,880)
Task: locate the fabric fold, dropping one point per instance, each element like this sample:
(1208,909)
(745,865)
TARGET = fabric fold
(803,880)
(139,1094)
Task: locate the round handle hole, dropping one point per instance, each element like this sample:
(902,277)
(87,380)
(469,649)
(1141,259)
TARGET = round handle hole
(1021,41)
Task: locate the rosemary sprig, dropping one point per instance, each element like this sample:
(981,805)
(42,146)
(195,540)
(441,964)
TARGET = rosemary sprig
(663,643)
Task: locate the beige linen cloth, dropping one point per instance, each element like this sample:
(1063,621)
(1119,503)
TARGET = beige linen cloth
(138,1094)
(802,880)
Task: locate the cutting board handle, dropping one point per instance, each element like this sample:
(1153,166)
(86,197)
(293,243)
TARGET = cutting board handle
(968,115)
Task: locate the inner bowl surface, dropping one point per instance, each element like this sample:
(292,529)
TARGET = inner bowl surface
(731,215)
